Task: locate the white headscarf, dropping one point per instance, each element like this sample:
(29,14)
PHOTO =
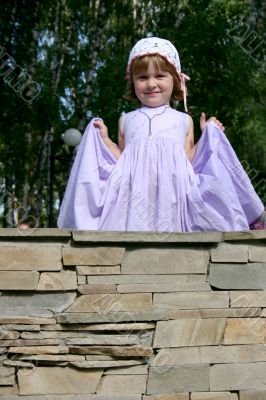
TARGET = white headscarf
(164,48)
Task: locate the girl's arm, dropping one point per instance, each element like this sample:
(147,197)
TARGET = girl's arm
(116,150)
(190,147)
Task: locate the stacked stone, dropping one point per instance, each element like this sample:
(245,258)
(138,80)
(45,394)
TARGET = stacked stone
(129,316)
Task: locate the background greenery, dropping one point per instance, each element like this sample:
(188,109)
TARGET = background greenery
(77,52)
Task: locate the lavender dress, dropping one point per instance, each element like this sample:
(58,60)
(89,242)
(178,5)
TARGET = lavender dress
(153,186)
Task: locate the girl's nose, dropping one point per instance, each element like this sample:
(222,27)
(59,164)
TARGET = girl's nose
(151,83)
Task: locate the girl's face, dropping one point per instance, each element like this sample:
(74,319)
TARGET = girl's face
(154,86)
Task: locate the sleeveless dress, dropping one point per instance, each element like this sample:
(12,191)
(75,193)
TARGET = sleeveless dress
(153,186)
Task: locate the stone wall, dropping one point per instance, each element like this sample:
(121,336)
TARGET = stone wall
(128,316)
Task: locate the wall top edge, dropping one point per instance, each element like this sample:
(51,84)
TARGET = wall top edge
(130,237)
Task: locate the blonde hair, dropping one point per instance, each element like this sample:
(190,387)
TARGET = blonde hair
(141,64)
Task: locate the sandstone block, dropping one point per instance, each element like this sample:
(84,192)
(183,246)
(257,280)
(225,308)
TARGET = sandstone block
(180,396)
(98,270)
(97,288)
(248,298)
(122,384)
(51,358)
(245,330)
(97,317)
(63,280)
(191,300)
(7,376)
(39,350)
(21,327)
(92,255)
(55,302)
(26,320)
(34,342)
(133,370)
(115,351)
(238,376)
(30,257)
(56,380)
(147,279)
(165,261)
(178,378)
(112,340)
(233,253)
(9,390)
(252,395)
(19,280)
(192,332)
(8,335)
(214,396)
(105,303)
(164,287)
(147,237)
(82,280)
(78,397)
(105,364)
(238,276)
(216,313)
(257,253)
(210,355)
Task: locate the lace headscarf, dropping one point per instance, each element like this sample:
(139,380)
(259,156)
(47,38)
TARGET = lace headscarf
(164,48)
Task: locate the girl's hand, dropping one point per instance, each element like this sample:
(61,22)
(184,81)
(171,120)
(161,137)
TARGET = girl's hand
(98,123)
(203,122)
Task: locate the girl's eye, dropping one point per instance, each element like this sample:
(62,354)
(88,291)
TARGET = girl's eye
(141,77)
(161,76)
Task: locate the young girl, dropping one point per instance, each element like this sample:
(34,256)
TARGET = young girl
(156,179)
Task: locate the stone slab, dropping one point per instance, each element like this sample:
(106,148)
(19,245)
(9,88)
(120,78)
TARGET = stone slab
(34,342)
(45,233)
(191,300)
(17,327)
(26,320)
(92,255)
(57,380)
(81,279)
(252,395)
(8,390)
(23,312)
(165,261)
(226,252)
(180,396)
(96,317)
(183,378)
(163,287)
(216,313)
(191,332)
(146,237)
(257,253)
(115,351)
(123,384)
(238,276)
(246,235)
(98,270)
(55,302)
(105,303)
(7,376)
(245,331)
(214,396)
(51,358)
(238,376)
(248,298)
(78,397)
(141,369)
(97,288)
(210,355)
(105,364)
(19,280)
(112,340)
(146,279)
(30,256)
(39,350)
(60,281)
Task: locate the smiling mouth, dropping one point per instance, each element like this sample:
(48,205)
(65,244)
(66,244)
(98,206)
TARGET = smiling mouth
(149,93)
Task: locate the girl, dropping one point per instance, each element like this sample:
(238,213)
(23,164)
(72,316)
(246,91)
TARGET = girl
(156,179)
